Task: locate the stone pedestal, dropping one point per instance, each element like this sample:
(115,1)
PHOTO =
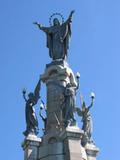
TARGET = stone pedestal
(31,146)
(56,76)
(53,151)
(91,151)
(59,142)
(67,146)
(72,143)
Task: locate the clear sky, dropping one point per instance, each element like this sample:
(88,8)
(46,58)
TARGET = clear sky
(94,52)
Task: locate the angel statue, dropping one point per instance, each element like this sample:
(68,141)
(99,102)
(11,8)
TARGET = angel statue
(87,127)
(58,35)
(30,115)
(70,102)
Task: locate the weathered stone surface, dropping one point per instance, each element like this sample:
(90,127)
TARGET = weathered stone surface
(51,151)
(57,75)
(91,151)
(72,143)
(30,147)
(59,72)
(84,154)
(53,157)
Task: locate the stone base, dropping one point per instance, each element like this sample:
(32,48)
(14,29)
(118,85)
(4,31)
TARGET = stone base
(51,152)
(57,62)
(72,143)
(91,151)
(66,147)
(30,146)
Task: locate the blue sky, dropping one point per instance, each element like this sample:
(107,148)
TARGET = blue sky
(94,52)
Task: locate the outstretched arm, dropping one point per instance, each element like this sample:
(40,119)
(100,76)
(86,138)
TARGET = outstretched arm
(45,29)
(24,95)
(69,20)
(92,102)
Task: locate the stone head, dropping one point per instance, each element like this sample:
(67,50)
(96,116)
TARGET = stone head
(56,22)
(31,95)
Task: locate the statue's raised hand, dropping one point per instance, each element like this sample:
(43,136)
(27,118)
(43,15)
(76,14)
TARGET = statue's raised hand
(24,91)
(70,16)
(72,12)
(38,24)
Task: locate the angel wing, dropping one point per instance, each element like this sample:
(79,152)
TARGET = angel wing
(79,112)
(36,91)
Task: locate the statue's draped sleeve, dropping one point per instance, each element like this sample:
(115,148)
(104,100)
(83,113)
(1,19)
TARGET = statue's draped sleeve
(49,43)
(66,34)
(48,31)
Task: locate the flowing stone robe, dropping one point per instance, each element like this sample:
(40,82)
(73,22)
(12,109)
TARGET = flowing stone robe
(30,115)
(31,118)
(87,123)
(70,102)
(58,39)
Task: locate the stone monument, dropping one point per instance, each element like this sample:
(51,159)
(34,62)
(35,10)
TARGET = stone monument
(62,139)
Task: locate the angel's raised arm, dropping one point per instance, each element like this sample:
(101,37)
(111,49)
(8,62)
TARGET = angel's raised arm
(24,95)
(92,102)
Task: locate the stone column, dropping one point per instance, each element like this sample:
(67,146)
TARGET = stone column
(56,76)
(31,146)
(71,137)
(91,151)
